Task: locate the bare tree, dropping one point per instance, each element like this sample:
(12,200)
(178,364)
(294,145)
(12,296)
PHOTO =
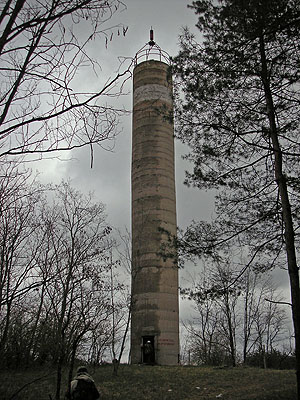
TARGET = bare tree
(251,307)
(125,256)
(227,298)
(216,320)
(264,320)
(130,262)
(55,267)
(78,236)
(18,199)
(235,316)
(43,46)
(99,342)
(270,321)
(205,345)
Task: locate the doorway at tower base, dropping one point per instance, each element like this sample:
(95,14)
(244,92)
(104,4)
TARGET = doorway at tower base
(153,351)
(148,350)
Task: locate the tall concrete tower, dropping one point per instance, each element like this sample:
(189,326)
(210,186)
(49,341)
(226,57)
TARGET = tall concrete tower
(155,319)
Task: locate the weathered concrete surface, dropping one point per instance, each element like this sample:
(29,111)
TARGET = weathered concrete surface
(154,281)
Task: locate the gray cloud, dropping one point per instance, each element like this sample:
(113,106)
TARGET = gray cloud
(110,176)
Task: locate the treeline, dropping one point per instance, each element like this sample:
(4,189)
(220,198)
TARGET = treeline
(57,274)
(238,318)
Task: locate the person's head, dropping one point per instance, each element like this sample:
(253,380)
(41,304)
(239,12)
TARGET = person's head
(82,370)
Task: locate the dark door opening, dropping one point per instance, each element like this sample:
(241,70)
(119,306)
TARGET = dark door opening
(148,355)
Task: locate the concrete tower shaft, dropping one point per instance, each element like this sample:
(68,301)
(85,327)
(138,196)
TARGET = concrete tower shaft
(154,280)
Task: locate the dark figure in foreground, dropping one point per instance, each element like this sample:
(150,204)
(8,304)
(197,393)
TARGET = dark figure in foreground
(83,387)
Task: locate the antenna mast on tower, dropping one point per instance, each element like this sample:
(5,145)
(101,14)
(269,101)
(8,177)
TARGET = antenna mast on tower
(151,50)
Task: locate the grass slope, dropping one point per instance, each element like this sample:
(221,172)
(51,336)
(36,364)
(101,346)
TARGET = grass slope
(162,383)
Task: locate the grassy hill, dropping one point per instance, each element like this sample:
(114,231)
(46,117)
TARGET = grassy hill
(161,383)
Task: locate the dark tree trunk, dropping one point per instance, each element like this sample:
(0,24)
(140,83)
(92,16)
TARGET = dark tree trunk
(58,378)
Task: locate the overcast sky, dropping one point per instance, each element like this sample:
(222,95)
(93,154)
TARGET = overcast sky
(109,178)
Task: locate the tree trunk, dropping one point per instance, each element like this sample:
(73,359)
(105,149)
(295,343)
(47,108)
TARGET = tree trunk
(32,342)
(4,337)
(125,335)
(58,377)
(72,362)
(231,342)
(231,331)
(264,357)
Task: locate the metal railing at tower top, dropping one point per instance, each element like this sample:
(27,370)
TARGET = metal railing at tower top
(151,51)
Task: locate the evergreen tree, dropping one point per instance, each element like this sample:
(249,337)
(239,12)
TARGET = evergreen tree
(238,107)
